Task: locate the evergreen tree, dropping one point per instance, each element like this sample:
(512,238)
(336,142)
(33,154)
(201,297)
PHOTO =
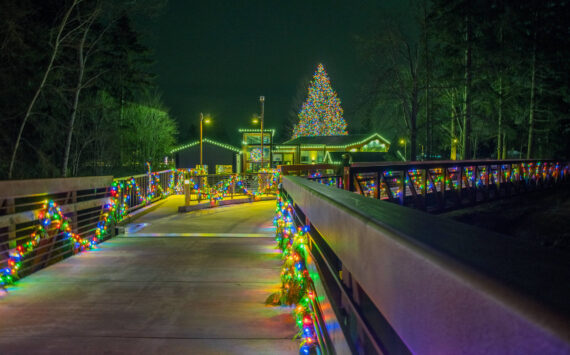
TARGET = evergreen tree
(321,114)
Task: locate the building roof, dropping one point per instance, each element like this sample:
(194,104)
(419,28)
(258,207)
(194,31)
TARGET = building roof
(336,141)
(207,140)
(360,157)
(257,130)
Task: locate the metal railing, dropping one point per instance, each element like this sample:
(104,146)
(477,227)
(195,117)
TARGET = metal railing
(308,169)
(86,202)
(82,200)
(330,180)
(212,186)
(443,185)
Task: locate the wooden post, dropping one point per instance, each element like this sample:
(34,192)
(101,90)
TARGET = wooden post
(11,209)
(402,187)
(459,172)
(377,192)
(187,192)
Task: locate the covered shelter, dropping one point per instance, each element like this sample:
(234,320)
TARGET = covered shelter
(312,150)
(220,158)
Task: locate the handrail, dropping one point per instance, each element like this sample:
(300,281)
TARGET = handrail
(443,286)
(437,186)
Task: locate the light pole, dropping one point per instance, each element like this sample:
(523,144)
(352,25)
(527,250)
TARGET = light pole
(262,100)
(405,144)
(207,120)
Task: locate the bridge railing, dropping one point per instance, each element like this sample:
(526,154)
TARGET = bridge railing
(207,187)
(441,185)
(22,206)
(308,169)
(137,191)
(398,280)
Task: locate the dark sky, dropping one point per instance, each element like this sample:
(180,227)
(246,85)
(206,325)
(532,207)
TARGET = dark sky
(220,56)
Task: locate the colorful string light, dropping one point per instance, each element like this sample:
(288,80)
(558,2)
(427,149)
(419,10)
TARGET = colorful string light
(51,224)
(296,284)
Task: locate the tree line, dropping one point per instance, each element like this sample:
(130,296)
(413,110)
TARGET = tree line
(77,94)
(482,78)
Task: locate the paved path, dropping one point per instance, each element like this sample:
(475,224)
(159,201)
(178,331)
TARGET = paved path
(200,292)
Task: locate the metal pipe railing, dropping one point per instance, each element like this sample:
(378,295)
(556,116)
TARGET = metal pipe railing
(442,185)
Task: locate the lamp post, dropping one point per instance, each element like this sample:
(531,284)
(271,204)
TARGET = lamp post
(207,120)
(262,100)
(405,144)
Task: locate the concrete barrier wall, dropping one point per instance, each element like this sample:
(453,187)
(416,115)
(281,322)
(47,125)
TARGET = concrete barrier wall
(444,287)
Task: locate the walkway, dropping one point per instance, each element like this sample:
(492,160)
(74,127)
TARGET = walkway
(191,283)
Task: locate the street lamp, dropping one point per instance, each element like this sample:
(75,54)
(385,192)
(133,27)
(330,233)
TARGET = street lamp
(262,100)
(405,144)
(207,120)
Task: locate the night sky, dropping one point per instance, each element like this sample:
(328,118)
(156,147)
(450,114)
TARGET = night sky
(220,56)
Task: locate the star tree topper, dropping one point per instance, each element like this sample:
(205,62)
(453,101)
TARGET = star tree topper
(321,114)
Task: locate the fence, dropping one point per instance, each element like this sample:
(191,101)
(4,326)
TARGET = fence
(44,221)
(400,281)
(442,185)
(23,209)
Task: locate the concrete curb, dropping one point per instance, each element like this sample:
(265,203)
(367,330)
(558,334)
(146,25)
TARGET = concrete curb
(205,205)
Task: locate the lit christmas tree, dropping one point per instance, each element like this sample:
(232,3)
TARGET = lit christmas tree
(321,114)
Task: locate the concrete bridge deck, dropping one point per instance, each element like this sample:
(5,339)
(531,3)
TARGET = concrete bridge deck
(191,283)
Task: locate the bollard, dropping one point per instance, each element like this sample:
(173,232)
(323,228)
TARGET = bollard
(187,192)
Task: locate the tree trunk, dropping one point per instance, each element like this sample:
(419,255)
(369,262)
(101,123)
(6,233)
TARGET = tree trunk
(531,108)
(413,121)
(429,129)
(76,95)
(49,67)
(500,123)
(504,145)
(467,93)
(453,147)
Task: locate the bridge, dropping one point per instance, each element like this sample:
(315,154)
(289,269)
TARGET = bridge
(352,274)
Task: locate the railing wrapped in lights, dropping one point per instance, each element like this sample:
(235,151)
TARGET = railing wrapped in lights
(51,226)
(297,287)
(437,186)
(54,224)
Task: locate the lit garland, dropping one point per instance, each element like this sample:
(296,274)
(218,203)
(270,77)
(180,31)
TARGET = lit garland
(321,114)
(296,283)
(221,189)
(474,177)
(53,223)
